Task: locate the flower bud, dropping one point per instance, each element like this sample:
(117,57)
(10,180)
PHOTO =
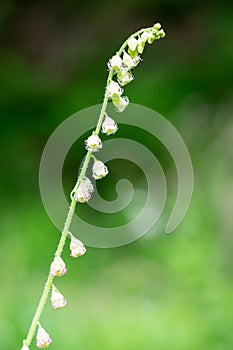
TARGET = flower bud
(141,45)
(58,267)
(84,191)
(25,347)
(43,339)
(121,103)
(114,89)
(132,43)
(109,125)
(99,170)
(57,299)
(93,143)
(157,26)
(115,63)
(161,34)
(151,38)
(77,247)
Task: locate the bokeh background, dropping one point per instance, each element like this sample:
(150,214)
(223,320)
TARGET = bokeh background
(162,291)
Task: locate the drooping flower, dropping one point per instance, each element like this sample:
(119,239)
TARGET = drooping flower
(130,62)
(84,191)
(132,43)
(109,126)
(144,37)
(57,299)
(25,347)
(124,77)
(121,103)
(115,63)
(93,143)
(77,247)
(43,339)
(99,170)
(114,89)
(58,267)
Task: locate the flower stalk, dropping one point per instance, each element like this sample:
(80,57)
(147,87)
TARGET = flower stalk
(121,66)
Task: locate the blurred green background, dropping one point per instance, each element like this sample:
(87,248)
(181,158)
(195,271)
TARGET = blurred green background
(167,291)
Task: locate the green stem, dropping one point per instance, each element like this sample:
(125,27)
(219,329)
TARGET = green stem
(70,214)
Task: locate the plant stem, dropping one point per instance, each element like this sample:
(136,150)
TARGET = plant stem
(73,203)
(67,224)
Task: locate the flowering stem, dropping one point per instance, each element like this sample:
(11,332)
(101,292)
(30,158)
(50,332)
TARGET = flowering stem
(65,231)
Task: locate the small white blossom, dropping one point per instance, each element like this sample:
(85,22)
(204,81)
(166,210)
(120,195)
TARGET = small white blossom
(124,77)
(130,62)
(57,299)
(77,247)
(115,63)
(109,125)
(58,267)
(93,143)
(99,170)
(84,191)
(114,89)
(121,103)
(132,43)
(25,347)
(43,339)
(145,36)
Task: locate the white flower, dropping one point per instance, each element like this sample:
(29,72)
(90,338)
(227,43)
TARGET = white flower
(145,36)
(124,77)
(115,63)
(57,299)
(109,125)
(84,191)
(130,62)
(58,267)
(43,339)
(121,103)
(25,347)
(114,89)
(132,43)
(99,170)
(93,143)
(77,247)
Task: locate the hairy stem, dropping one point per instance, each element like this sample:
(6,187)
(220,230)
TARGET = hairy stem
(73,203)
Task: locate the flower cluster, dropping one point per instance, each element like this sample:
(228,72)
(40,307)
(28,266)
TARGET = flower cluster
(120,74)
(122,63)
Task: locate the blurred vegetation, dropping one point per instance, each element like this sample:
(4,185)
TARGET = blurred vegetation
(161,291)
